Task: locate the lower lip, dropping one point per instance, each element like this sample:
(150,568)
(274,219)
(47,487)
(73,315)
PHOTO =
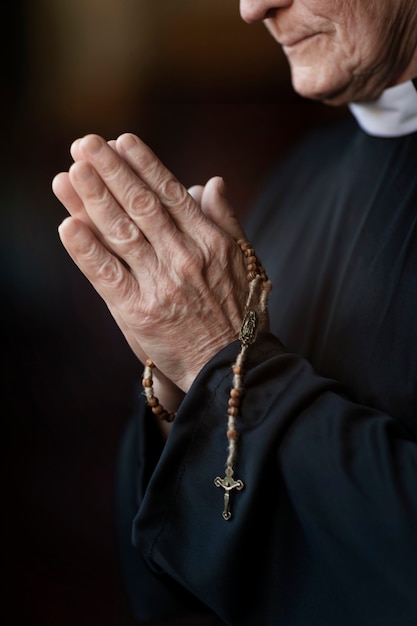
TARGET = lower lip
(291,46)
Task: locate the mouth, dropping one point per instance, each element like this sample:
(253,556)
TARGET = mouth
(288,44)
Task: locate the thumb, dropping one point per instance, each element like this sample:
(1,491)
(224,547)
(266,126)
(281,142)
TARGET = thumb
(196,191)
(218,209)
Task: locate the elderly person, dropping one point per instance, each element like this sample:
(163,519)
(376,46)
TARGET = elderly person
(284,489)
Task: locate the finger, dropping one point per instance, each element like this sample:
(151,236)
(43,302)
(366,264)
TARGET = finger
(216,206)
(132,194)
(117,230)
(66,194)
(75,151)
(109,277)
(182,207)
(105,272)
(196,191)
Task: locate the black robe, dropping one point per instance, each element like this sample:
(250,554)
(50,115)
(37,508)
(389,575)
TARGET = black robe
(324,532)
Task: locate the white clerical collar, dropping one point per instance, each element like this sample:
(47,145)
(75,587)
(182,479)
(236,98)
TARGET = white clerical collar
(392,115)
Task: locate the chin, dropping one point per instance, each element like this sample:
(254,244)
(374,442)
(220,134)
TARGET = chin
(311,85)
(337,92)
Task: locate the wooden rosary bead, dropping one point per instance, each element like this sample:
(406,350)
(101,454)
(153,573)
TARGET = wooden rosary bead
(151,400)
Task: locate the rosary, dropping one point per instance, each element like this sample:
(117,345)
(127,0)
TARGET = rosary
(255,310)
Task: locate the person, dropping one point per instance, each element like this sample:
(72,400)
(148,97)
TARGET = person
(284,491)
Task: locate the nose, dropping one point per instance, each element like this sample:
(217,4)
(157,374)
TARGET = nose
(258,10)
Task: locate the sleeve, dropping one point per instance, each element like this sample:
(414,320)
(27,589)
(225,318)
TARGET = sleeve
(150,596)
(324,529)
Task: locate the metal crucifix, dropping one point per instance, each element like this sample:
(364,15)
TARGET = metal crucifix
(228,483)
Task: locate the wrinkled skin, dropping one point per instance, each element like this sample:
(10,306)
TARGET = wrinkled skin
(342,51)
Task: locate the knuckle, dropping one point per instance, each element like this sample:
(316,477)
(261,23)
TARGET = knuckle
(172,191)
(89,250)
(141,201)
(110,273)
(111,169)
(146,163)
(104,267)
(98,196)
(123,231)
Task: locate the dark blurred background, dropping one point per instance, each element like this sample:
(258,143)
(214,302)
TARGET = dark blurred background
(212,96)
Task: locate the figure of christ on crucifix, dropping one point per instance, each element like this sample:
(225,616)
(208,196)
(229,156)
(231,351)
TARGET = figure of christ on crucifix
(228,483)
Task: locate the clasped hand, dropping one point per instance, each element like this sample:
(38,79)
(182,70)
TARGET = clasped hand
(163,258)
